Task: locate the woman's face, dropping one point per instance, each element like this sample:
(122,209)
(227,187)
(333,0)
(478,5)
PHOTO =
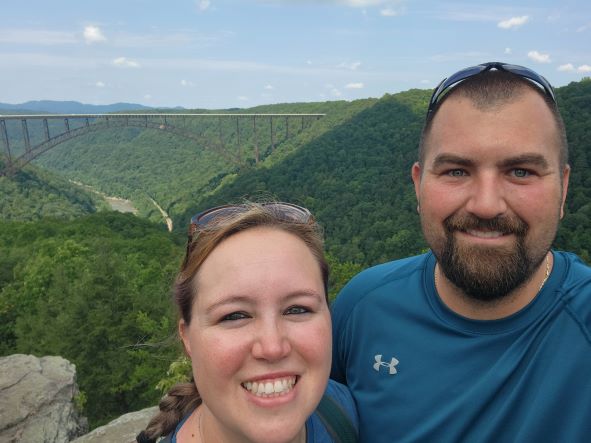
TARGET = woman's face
(259,338)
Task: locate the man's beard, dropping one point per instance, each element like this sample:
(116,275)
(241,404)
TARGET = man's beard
(488,274)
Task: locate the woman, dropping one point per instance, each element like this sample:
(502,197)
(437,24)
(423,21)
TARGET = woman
(255,322)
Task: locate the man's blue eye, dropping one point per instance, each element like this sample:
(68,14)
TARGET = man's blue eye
(456,172)
(520,173)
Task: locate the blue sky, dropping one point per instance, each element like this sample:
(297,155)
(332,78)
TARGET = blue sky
(241,53)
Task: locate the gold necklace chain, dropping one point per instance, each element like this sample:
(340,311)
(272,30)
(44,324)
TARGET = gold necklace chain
(547,272)
(436,274)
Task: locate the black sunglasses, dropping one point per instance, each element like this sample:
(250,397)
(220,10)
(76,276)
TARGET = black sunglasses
(459,76)
(286,212)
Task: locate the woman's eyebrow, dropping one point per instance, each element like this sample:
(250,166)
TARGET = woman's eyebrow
(226,301)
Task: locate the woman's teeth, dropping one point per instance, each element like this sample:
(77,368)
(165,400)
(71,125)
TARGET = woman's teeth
(270,388)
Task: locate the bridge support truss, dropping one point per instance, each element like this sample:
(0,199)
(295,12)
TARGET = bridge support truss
(75,125)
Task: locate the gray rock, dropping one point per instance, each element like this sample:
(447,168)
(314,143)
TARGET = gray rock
(121,430)
(36,400)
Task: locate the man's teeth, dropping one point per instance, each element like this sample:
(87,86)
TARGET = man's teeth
(270,388)
(485,234)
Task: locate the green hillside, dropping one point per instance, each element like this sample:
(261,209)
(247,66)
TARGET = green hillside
(354,177)
(34,193)
(94,290)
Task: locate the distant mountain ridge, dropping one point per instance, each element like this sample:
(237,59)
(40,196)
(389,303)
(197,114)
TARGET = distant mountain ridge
(72,107)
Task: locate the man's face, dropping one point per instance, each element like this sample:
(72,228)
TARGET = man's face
(491,192)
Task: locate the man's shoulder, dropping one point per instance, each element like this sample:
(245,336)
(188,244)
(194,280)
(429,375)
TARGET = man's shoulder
(575,287)
(371,280)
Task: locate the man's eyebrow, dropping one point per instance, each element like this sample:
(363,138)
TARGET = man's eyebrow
(526,159)
(444,159)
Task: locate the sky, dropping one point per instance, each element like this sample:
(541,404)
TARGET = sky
(218,54)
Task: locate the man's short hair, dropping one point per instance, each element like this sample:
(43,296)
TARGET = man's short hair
(492,89)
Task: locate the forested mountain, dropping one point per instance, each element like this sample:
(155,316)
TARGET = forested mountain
(69,107)
(95,288)
(34,193)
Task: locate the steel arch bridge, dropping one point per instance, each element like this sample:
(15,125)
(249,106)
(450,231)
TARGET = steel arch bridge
(76,125)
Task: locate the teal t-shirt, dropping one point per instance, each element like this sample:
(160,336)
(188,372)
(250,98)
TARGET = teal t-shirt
(421,373)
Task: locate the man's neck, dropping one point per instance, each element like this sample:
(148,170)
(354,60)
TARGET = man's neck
(468,307)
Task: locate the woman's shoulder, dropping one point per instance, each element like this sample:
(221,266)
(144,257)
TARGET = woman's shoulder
(337,404)
(342,395)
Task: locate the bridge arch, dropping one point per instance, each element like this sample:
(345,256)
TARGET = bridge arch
(163,122)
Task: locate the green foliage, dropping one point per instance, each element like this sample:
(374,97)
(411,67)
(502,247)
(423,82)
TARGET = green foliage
(179,371)
(80,401)
(33,193)
(95,291)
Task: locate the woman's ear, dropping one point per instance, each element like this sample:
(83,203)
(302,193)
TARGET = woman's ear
(184,334)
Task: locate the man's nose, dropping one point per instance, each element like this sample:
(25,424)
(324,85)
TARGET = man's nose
(487,198)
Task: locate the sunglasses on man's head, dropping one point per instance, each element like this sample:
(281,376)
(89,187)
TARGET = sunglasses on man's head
(449,82)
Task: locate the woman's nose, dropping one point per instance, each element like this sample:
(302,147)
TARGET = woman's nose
(271,342)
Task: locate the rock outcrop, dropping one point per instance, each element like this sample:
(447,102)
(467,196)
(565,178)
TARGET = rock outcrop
(37,400)
(121,430)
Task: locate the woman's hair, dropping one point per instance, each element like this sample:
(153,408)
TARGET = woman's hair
(184,397)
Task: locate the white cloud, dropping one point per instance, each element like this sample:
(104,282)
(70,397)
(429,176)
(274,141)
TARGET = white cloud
(335,92)
(93,34)
(358,85)
(147,97)
(425,82)
(269,87)
(508,51)
(566,68)
(362,3)
(389,12)
(125,63)
(187,83)
(351,66)
(203,5)
(308,62)
(539,57)
(513,22)
(242,98)
(582,28)
(99,84)
(569,67)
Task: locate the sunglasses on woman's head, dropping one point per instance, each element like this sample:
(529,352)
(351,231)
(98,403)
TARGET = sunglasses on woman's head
(286,212)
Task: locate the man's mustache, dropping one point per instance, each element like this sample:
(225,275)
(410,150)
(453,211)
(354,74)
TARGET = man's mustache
(504,224)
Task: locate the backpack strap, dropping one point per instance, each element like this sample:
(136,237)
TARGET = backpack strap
(336,421)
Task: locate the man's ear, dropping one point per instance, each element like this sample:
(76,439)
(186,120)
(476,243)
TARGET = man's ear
(184,334)
(565,179)
(416,179)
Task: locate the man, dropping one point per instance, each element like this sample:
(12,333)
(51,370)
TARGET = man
(487,337)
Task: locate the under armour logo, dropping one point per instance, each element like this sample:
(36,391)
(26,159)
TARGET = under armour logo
(391,366)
